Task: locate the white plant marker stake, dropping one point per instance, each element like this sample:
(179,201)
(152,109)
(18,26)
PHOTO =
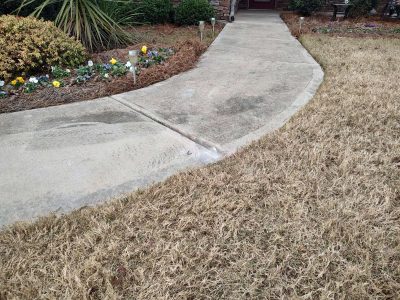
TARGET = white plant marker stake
(213,25)
(301,23)
(201,28)
(133,58)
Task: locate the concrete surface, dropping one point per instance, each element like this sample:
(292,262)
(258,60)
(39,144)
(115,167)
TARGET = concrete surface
(65,157)
(249,82)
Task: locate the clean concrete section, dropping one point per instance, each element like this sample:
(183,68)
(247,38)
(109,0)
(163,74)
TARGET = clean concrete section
(249,82)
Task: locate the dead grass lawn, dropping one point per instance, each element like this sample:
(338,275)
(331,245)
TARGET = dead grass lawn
(309,212)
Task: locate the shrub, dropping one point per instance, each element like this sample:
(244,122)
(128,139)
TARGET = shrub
(305,7)
(360,7)
(190,12)
(124,12)
(156,11)
(29,45)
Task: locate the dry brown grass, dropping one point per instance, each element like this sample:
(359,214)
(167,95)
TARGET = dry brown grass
(311,211)
(351,27)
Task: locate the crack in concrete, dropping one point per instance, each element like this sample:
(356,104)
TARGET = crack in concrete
(200,141)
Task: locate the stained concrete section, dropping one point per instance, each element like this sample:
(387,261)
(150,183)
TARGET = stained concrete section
(61,158)
(249,82)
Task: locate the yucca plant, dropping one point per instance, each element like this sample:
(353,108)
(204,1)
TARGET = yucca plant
(88,20)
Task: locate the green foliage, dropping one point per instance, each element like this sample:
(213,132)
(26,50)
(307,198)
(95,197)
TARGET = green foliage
(190,12)
(360,7)
(124,12)
(156,11)
(30,87)
(85,71)
(87,21)
(29,45)
(59,72)
(306,7)
(11,7)
(154,57)
(118,69)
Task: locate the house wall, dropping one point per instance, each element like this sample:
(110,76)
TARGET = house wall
(221,8)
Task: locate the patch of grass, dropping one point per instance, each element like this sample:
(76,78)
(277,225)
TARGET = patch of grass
(311,211)
(351,27)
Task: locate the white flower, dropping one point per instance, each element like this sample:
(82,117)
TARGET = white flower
(2,83)
(33,80)
(128,64)
(132,69)
(52,69)
(68,70)
(90,63)
(106,75)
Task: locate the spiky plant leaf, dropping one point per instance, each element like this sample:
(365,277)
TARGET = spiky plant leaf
(87,21)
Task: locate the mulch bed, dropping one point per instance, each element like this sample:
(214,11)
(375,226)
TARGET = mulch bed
(372,26)
(185,57)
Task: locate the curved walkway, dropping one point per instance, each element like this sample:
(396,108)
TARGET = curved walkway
(250,81)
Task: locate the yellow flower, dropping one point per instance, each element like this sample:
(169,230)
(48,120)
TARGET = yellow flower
(144,49)
(113,61)
(56,83)
(14,82)
(20,80)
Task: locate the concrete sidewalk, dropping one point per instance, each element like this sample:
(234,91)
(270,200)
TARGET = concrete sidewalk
(249,82)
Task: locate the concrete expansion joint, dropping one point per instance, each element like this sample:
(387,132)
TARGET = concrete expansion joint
(200,141)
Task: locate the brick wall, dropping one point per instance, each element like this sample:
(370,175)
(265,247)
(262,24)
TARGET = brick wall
(221,8)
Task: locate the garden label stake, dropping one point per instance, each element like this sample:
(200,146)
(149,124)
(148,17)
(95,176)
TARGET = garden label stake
(133,58)
(201,28)
(301,21)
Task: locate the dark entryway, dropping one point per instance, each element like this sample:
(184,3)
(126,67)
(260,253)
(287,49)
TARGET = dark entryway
(261,4)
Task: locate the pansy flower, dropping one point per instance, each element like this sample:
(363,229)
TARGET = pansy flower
(56,83)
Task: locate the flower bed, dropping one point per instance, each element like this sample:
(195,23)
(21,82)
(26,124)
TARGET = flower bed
(60,77)
(170,51)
